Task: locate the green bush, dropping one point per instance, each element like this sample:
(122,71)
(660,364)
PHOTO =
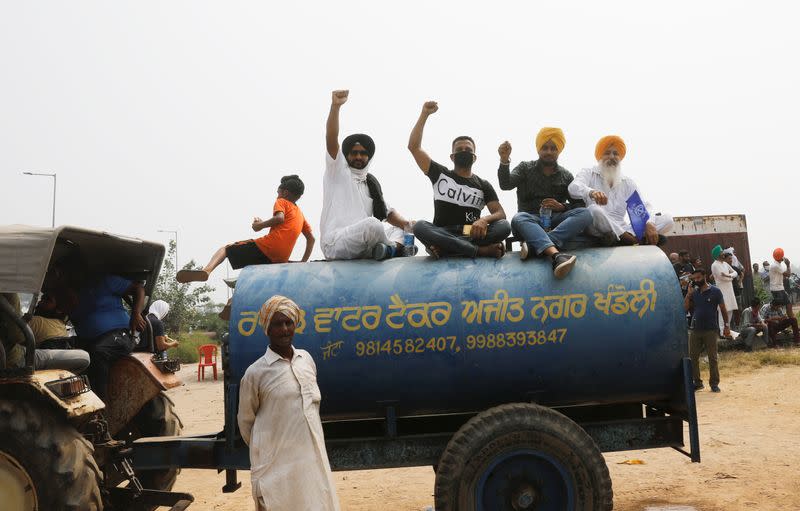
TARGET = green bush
(186,351)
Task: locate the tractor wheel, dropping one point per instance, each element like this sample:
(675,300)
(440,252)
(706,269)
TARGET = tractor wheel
(522,457)
(45,464)
(157,418)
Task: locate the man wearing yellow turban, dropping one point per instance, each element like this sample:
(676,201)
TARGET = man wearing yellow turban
(612,198)
(279,420)
(542,190)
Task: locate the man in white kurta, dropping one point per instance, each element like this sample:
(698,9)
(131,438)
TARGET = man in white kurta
(605,190)
(279,419)
(356,222)
(723,279)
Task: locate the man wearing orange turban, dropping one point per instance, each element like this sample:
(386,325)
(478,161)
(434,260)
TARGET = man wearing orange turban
(542,187)
(779,270)
(607,193)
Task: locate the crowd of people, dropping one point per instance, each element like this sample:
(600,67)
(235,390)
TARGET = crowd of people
(553,206)
(714,306)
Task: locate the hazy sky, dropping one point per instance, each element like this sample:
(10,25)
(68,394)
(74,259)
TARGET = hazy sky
(184,115)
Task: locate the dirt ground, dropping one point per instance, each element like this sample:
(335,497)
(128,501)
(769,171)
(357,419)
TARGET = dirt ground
(749,446)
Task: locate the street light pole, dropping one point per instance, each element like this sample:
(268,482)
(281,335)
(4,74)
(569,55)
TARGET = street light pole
(176,245)
(53,175)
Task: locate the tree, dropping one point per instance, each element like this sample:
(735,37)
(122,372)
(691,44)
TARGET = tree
(184,300)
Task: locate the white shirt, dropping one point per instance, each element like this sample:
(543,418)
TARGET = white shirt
(345,197)
(590,180)
(279,419)
(723,279)
(776,271)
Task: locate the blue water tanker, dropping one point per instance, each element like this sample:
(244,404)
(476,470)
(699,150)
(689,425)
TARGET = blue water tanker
(508,382)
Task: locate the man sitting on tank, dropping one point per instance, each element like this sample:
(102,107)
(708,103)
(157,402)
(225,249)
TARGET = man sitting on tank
(610,195)
(356,221)
(93,302)
(548,217)
(459,196)
(285,226)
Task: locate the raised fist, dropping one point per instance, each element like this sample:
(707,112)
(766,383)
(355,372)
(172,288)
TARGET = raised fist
(430,107)
(505,151)
(339,97)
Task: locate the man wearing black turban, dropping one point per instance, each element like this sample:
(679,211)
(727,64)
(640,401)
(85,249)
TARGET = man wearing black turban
(353,208)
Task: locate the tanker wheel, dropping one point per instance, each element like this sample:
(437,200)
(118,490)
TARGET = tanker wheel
(45,464)
(522,457)
(157,418)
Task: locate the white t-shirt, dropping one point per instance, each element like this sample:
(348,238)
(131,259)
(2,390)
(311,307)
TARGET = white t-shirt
(345,200)
(776,271)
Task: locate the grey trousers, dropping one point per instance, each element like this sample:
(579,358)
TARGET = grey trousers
(749,336)
(71,360)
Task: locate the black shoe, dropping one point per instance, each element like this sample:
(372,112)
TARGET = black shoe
(562,264)
(382,251)
(715,388)
(523,251)
(699,386)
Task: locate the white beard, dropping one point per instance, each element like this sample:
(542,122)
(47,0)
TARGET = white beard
(611,173)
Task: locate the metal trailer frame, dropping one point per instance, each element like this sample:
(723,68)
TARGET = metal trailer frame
(392,441)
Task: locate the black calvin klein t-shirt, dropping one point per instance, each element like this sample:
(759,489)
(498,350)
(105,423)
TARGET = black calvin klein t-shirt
(458,200)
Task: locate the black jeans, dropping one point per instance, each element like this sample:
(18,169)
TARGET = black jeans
(104,350)
(450,241)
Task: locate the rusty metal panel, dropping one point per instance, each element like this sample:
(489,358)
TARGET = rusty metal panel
(708,224)
(134,380)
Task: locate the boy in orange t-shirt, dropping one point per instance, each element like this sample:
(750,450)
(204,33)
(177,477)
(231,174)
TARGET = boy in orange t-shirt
(286,225)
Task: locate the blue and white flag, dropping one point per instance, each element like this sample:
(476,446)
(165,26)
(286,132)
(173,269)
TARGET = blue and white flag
(637,213)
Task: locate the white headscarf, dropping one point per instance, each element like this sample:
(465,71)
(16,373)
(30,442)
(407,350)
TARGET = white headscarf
(360,175)
(159,309)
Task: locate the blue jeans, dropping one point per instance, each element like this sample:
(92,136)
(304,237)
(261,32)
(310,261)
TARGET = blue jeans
(450,242)
(566,225)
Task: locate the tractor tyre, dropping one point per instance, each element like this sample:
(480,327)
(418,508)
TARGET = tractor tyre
(45,464)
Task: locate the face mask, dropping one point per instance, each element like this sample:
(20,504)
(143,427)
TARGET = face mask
(463,159)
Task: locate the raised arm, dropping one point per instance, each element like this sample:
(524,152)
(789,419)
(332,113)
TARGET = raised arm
(415,140)
(338,98)
(508,180)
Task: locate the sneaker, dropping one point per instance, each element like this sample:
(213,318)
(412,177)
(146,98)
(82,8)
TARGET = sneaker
(715,388)
(382,251)
(699,386)
(523,251)
(562,264)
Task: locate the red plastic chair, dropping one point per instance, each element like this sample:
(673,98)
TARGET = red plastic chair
(208,358)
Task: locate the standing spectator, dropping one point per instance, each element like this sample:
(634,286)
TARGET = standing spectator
(764,274)
(729,257)
(752,324)
(683,269)
(279,420)
(778,270)
(777,320)
(723,279)
(705,300)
